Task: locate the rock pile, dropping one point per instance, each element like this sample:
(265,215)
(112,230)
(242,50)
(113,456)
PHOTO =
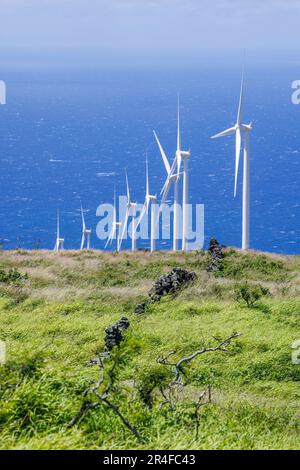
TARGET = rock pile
(114,333)
(216,255)
(167,284)
(171,283)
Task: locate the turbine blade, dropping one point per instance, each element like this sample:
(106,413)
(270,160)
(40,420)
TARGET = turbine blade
(165,193)
(178,153)
(127,188)
(115,207)
(111,235)
(178,159)
(144,210)
(57,228)
(178,127)
(83,222)
(82,242)
(147,178)
(230,131)
(238,142)
(169,175)
(147,206)
(164,186)
(124,228)
(164,156)
(240,108)
(173,166)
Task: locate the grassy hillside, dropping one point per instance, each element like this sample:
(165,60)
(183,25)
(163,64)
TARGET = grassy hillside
(53,321)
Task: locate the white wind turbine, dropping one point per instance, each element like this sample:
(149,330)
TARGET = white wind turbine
(130,210)
(86,234)
(115,226)
(59,244)
(239,129)
(150,200)
(173,177)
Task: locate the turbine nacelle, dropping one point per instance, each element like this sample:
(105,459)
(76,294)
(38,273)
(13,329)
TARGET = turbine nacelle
(248,127)
(131,205)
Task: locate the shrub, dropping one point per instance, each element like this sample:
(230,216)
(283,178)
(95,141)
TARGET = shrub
(149,381)
(250,294)
(12,277)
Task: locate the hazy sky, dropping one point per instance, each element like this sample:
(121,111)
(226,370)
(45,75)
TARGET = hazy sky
(150,24)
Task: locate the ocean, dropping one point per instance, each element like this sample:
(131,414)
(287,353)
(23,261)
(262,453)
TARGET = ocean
(68,131)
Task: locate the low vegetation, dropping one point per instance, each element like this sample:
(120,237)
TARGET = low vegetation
(250,294)
(207,368)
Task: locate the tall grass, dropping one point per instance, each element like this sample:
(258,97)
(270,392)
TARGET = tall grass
(53,324)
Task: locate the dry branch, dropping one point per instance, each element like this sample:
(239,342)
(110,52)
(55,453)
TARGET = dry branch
(178,366)
(103,397)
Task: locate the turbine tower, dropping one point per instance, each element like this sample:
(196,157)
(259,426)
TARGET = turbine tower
(115,226)
(86,233)
(149,199)
(130,210)
(59,244)
(185,155)
(239,130)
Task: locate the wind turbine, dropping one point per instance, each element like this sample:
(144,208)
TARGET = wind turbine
(145,211)
(115,226)
(86,233)
(130,210)
(59,244)
(239,129)
(173,176)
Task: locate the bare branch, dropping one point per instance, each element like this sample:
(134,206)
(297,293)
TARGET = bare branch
(178,366)
(198,405)
(86,406)
(102,397)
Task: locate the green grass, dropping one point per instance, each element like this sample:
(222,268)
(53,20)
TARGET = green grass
(53,324)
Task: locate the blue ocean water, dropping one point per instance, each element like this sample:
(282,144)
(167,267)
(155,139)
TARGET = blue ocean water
(67,133)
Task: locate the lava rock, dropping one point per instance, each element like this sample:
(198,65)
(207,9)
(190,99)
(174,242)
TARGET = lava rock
(140,308)
(171,283)
(216,255)
(167,284)
(114,333)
